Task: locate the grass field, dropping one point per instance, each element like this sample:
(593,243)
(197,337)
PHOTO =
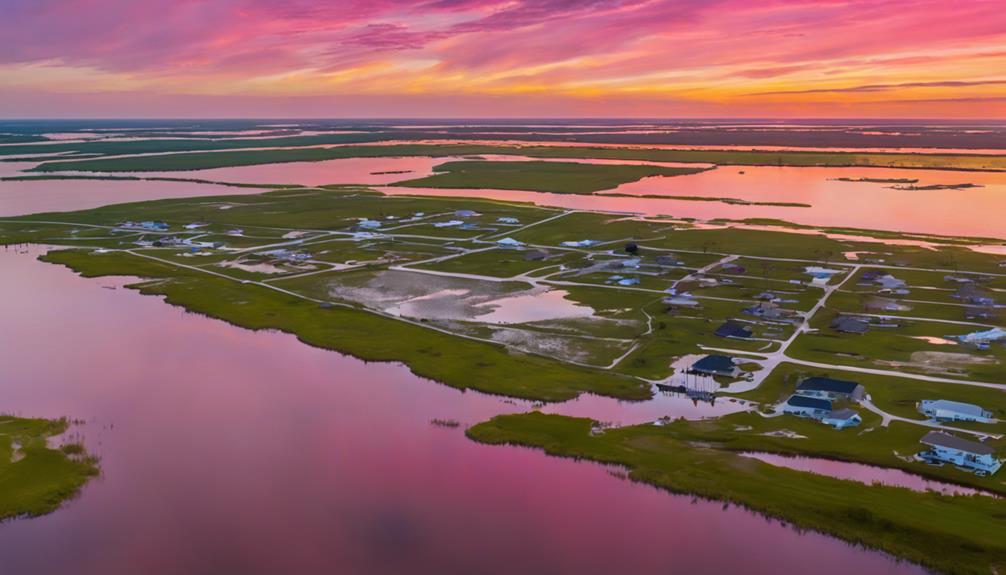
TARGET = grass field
(220,159)
(551,177)
(36,479)
(699,458)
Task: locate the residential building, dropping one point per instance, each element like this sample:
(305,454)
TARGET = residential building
(970,455)
(828,388)
(946,410)
(733,329)
(812,407)
(668,260)
(848,324)
(509,243)
(842,418)
(716,365)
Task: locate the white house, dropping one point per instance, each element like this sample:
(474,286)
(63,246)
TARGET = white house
(946,410)
(507,220)
(842,418)
(828,388)
(971,455)
(509,243)
(812,407)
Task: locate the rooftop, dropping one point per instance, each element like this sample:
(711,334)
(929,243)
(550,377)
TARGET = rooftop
(811,402)
(940,439)
(714,363)
(843,414)
(957,406)
(827,384)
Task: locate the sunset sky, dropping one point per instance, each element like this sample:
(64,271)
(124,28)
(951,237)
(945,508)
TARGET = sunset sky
(486,58)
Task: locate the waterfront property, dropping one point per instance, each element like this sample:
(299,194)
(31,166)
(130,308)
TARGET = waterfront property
(803,406)
(716,365)
(946,410)
(964,453)
(831,389)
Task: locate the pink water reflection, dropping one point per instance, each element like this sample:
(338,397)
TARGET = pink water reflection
(969,212)
(231,451)
(373,171)
(35,196)
(863,473)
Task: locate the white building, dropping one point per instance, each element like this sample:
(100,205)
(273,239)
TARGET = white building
(946,410)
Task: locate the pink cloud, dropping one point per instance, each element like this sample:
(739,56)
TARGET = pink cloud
(562,45)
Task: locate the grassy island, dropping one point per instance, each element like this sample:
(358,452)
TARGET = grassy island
(701,458)
(35,478)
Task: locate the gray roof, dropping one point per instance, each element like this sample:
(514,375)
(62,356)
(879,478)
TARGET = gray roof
(957,406)
(842,414)
(827,384)
(940,439)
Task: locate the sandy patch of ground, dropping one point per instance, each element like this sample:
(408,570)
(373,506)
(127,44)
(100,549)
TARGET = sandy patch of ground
(941,362)
(430,297)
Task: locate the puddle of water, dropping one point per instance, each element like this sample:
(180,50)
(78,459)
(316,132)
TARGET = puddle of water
(540,306)
(868,474)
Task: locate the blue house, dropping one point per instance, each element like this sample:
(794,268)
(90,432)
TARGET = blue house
(946,410)
(964,453)
(828,388)
(842,418)
(812,407)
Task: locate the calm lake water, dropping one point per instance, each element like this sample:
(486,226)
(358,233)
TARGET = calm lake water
(864,205)
(231,451)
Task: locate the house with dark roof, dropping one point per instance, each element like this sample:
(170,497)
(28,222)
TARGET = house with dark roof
(812,407)
(733,329)
(946,410)
(870,276)
(842,418)
(964,453)
(972,294)
(716,365)
(535,255)
(767,310)
(828,388)
(668,260)
(849,324)
(734,269)
(979,313)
